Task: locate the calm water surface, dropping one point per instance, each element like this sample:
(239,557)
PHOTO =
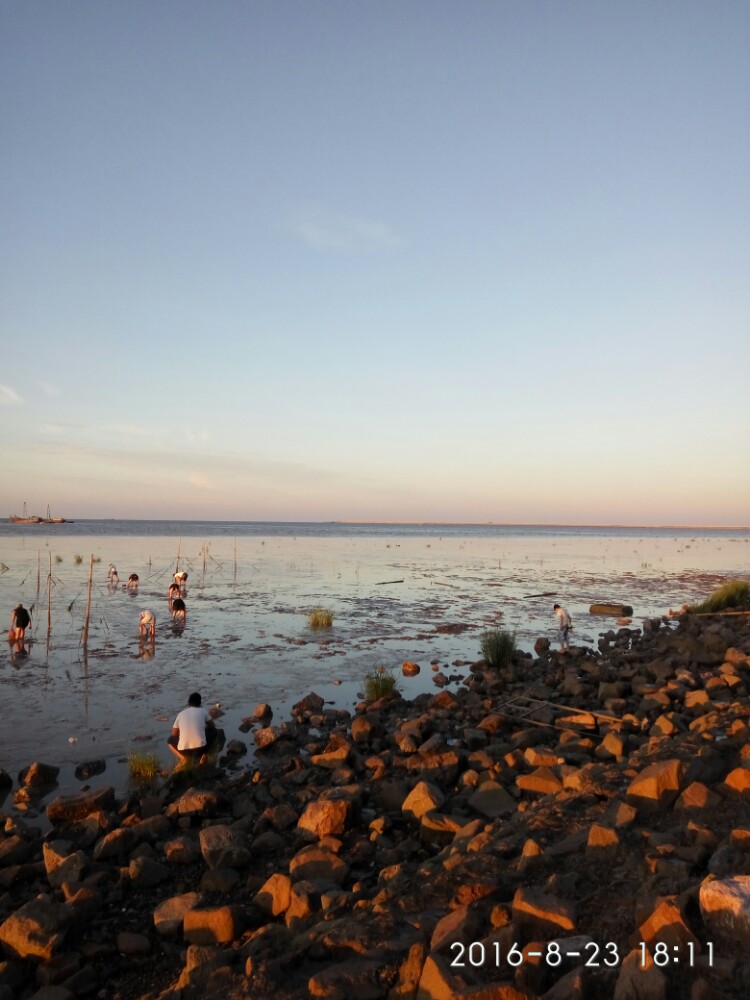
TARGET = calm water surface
(398,592)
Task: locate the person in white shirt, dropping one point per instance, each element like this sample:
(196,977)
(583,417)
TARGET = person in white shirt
(193,732)
(147,624)
(564,624)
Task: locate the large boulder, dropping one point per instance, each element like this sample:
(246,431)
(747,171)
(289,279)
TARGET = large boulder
(725,908)
(657,786)
(325,817)
(36,930)
(224,847)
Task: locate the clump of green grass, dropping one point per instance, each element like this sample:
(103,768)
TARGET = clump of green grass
(733,594)
(320,618)
(380,682)
(143,765)
(78,558)
(498,648)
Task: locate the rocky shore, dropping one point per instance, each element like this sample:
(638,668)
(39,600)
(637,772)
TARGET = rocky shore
(577,826)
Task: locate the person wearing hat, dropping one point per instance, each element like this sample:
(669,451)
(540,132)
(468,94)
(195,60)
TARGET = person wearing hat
(20,620)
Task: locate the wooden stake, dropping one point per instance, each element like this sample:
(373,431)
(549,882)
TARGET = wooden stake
(88,603)
(38,572)
(49,598)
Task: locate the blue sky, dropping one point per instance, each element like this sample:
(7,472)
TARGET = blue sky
(422,261)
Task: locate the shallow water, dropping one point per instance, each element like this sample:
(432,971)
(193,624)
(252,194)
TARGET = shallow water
(247,639)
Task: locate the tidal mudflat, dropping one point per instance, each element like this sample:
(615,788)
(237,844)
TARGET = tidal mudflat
(395,597)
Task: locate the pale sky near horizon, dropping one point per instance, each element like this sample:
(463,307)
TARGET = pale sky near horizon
(458,261)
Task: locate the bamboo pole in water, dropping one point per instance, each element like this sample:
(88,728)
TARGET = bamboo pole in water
(179,546)
(88,603)
(235,562)
(38,572)
(49,598)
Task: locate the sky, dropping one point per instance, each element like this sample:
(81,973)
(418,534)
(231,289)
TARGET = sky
(483,260)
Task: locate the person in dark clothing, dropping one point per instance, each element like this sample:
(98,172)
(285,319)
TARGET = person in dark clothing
(20,620)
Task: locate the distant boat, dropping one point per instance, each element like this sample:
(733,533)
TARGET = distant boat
(25,518)
(53,520)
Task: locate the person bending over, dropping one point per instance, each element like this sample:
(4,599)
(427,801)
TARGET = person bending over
(147,624)
(179,611)
(193,732)
(20,620)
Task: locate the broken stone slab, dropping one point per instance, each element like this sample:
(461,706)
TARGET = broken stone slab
(145,872)
(725,908)
(461,924)
(274,896)
(541,781)
(439,828)
(14,851)
(737,782)
(63,867)
(667,923)
(697,797)
(170,914)
(224,846)
(90,768)
(317,864)
(491,799)
(358,977)
(71,808)
(421,799)
(195,802)
(182,850)
(611,609)
(656,787)
(213,924)
(638,981)
(542,915)
(38,775)
(602,838)
(332,759)
(366,728)
(36,930)
(324,817)
(116,843)
(132,944)
(307,706)
(267,736)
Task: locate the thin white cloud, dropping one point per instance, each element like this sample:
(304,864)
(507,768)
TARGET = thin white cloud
(201,482)
(326,230)
(129,430)
(51,428)
(47,388)
(200,438)
(9,397)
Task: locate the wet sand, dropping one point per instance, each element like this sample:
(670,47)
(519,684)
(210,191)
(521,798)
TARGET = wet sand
(247,639)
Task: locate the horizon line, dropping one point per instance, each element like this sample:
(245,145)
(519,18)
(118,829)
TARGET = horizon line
(428,523)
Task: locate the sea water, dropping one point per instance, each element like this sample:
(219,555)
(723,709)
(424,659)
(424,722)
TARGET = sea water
(424,593)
